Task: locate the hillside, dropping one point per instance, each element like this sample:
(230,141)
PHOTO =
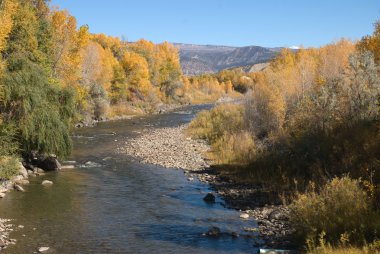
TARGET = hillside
(200,59)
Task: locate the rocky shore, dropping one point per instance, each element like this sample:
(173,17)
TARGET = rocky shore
(171,148)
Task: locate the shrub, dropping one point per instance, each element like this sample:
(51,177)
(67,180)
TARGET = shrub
(212,125)
(340,209)
(234,148)
(9,166)
(223,127)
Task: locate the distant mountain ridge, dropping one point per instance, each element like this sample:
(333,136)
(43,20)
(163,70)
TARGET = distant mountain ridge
(201,59)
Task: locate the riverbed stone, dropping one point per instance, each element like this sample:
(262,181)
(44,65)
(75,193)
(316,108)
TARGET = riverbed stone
(22,182)
(277,215)
(46,182)
(2,194)
(22,170)
(17,178)
(19,188)
(213,232)
(209,198)
(244,216)
(43,249)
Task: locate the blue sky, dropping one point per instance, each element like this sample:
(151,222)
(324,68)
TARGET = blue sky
(270,23)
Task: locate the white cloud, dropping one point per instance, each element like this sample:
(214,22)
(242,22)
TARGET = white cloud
(294,47)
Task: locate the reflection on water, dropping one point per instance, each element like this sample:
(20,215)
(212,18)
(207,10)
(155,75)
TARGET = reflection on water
(119,206)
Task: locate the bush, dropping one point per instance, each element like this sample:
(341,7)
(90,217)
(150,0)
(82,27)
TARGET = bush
(9,166)
(234,148)
(341,210)
(212,125)
(223,127)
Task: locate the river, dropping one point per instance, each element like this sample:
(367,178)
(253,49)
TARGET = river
(118,205)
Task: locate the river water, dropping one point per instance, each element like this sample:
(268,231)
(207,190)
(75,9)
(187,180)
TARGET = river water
(116,205)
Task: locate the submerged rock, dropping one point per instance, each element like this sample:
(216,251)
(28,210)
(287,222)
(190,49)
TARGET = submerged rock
(91,164)
(209,198)
(213,232)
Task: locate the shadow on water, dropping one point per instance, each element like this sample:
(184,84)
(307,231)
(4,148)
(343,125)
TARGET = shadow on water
(118,205)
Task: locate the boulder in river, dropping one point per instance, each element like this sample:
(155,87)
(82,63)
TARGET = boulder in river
(46,182)
(213,232)
(209,198)
(49,163)
(19,188)
(43,249)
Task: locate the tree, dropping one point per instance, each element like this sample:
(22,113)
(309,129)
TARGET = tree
(265,110)
(137,73)
(40,109)
(371,43)
(67,46)
(169,69)
(7,10)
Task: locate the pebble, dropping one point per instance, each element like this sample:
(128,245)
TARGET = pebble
(168,148)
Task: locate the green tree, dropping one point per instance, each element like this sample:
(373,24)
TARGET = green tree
(39,108)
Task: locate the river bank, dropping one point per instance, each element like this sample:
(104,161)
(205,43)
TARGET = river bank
(171,148)
(133,112)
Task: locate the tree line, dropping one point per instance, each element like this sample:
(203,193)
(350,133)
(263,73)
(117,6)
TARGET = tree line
(54,74)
